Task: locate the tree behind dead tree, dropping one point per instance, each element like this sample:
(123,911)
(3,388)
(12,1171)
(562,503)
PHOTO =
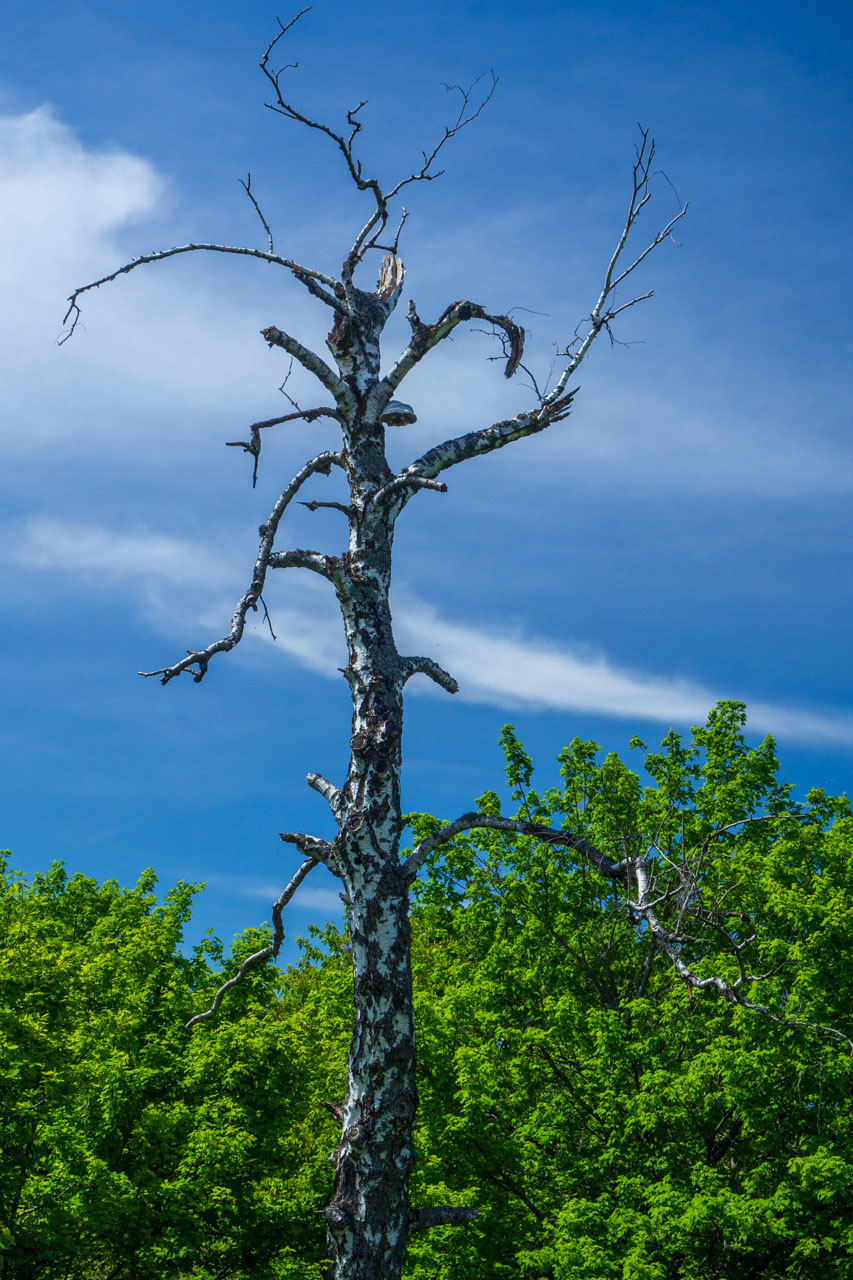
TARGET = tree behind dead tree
(370,1217)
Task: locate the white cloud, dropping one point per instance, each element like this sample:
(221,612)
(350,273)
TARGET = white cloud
(114,555)
(307,898)
(181,583)
(509,671)
(178,582)
(156,350)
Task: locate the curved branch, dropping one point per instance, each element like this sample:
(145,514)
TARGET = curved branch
(267,953)
(426,667)
(253,444)
(321,465)
(548,835)
(407,485)
(427,336)
(302,274)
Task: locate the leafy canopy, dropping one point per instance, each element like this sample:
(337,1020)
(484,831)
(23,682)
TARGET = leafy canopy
(609,1123)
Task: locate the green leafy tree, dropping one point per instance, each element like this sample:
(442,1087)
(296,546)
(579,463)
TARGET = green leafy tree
(611,1122)
(128,1146)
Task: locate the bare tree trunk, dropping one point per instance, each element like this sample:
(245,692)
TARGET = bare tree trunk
(369,1215)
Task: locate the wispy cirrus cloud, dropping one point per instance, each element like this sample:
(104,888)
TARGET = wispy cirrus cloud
(311,897)
(177,581)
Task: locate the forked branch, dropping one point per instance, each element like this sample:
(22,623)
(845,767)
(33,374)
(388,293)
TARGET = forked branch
(345,140)
(554,405)
(606,309)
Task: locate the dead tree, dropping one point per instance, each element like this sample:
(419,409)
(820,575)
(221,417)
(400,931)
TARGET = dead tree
(370,1217)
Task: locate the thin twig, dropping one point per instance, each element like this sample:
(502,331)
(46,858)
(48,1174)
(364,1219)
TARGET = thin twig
(247,187)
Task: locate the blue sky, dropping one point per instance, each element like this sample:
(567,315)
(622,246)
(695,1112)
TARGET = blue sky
(685,536)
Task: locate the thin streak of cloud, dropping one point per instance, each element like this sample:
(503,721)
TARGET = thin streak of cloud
(501,669)
(510,671)
(309,898)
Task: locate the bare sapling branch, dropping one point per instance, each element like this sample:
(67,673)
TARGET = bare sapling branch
(605,310)
(266,953)
(247,187)
(200,658)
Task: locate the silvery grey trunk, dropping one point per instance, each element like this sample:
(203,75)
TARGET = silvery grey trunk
(370,1218)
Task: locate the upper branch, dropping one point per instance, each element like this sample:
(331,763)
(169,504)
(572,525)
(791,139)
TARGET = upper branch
(286,108)
(555,404)
(318,283)
(200,658)
(427,336)
(474,443)
(467,115)
(344,141)
(605,309)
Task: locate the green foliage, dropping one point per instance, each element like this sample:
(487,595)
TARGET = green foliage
(609,1124)
(128,1142)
